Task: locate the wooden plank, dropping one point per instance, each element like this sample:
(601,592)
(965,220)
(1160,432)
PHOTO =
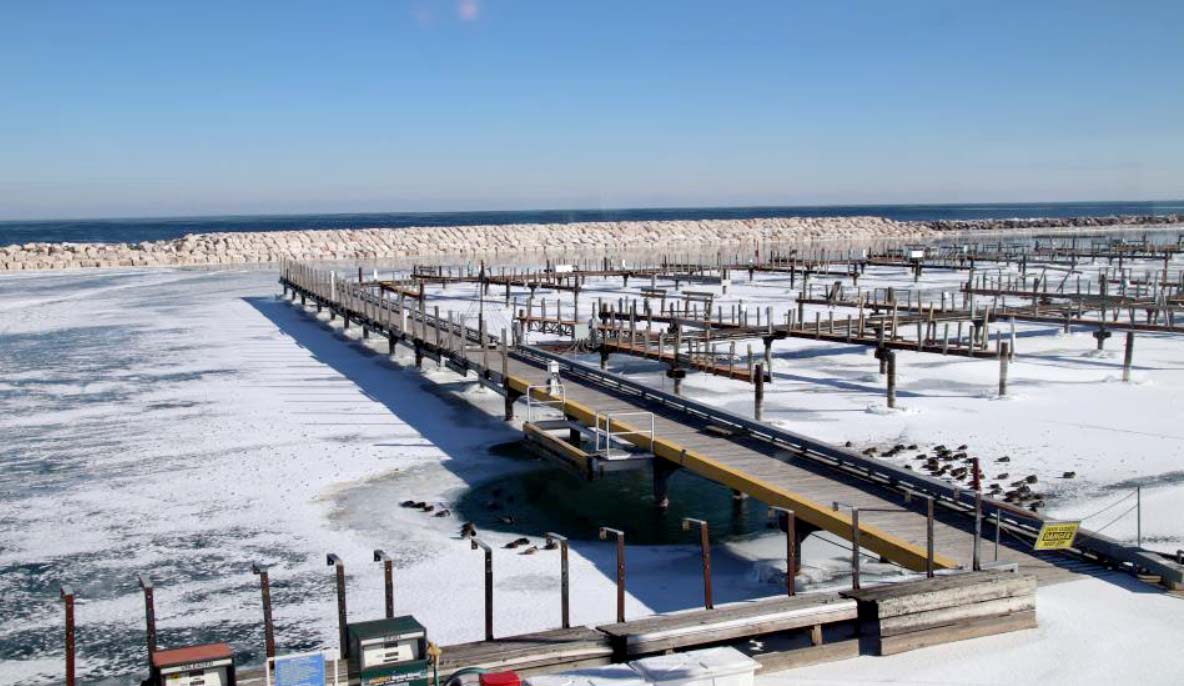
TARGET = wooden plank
(804,657)
(993,590)
(703,627)
(951,616)
(906,588)
(974,628)
(561,647)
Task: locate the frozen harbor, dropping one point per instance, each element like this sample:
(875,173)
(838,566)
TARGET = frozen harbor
(185,424)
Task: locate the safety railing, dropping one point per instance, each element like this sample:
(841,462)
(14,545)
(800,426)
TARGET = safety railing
(604,430)
(533,402)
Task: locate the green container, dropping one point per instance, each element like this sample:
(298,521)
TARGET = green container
(389,651)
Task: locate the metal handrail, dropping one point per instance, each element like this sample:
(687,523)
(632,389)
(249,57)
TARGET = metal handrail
(610,434)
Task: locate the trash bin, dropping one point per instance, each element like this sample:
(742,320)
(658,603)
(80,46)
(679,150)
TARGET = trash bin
(609,675)
(709,667)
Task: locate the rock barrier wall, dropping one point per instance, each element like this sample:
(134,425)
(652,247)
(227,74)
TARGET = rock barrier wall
(516,239)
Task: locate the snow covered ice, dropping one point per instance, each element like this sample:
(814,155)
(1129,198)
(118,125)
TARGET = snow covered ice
(184,424)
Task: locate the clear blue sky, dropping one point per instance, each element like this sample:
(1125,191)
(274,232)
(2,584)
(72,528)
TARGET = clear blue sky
(161,108)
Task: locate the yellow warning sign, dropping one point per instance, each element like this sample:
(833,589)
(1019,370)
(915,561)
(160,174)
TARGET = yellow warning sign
(1057,535)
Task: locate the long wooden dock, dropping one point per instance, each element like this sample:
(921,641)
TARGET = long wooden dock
(777,467)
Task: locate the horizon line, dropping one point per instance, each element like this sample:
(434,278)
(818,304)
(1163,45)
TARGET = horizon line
(655,208)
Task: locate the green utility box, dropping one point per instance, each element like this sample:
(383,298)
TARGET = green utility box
(389,651)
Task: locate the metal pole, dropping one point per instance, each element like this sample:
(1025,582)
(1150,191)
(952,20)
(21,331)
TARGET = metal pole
(855,541)
(759,391)
(1128,356)
(334,561)
(791,548)
(564,578)
(620,536)
(1139,516)
(1004,352)
(978,530)
(68,599)
(998,526)
(705,550)
(929,537)
(265,589)
(474,544)
(388,574)
(149,616)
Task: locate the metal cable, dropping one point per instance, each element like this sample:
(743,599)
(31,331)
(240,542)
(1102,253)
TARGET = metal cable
(1110,506)
(1129,510)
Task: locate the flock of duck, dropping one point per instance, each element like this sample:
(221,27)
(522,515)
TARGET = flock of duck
(468,529)
(957,466)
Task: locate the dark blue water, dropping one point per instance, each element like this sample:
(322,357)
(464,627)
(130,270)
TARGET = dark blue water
(152,229)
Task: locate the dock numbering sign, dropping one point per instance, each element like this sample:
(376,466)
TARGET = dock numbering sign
(1057,535)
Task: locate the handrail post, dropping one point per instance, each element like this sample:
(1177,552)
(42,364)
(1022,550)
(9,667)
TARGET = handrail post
(705,550)
(564,578)
(620,536)
(475,543)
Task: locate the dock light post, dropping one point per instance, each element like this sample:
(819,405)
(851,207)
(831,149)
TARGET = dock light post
(265,588)
(388,574)
(705,549)
(68,599)
(333,561)
(564,578)
(475,543)
(791,547)
(149,615)
(620,536)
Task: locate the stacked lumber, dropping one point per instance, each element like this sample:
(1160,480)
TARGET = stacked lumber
(916,614)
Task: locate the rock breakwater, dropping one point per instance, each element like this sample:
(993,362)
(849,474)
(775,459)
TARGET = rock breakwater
(514,239)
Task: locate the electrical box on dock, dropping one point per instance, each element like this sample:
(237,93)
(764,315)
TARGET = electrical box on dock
(389,651)
(201,665)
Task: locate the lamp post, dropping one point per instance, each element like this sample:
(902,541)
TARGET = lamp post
(67,595)
(705,550)
(388,574)
(620,536)
(477,543)
(564,578)
(265,588)
(149,616)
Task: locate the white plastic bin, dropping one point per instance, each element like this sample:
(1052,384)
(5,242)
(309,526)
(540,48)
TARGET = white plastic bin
(709,667)
(609,675)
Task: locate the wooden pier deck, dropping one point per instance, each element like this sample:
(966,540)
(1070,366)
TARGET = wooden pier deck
(772,465)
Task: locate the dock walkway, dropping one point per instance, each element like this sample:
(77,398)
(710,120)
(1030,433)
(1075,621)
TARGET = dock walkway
(777,467)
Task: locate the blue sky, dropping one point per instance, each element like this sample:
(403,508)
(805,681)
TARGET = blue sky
(163,108)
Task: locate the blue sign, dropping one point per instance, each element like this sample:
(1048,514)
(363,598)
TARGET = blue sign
(300,670)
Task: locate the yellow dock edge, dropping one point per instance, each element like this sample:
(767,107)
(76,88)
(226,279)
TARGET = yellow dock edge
(890,547)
